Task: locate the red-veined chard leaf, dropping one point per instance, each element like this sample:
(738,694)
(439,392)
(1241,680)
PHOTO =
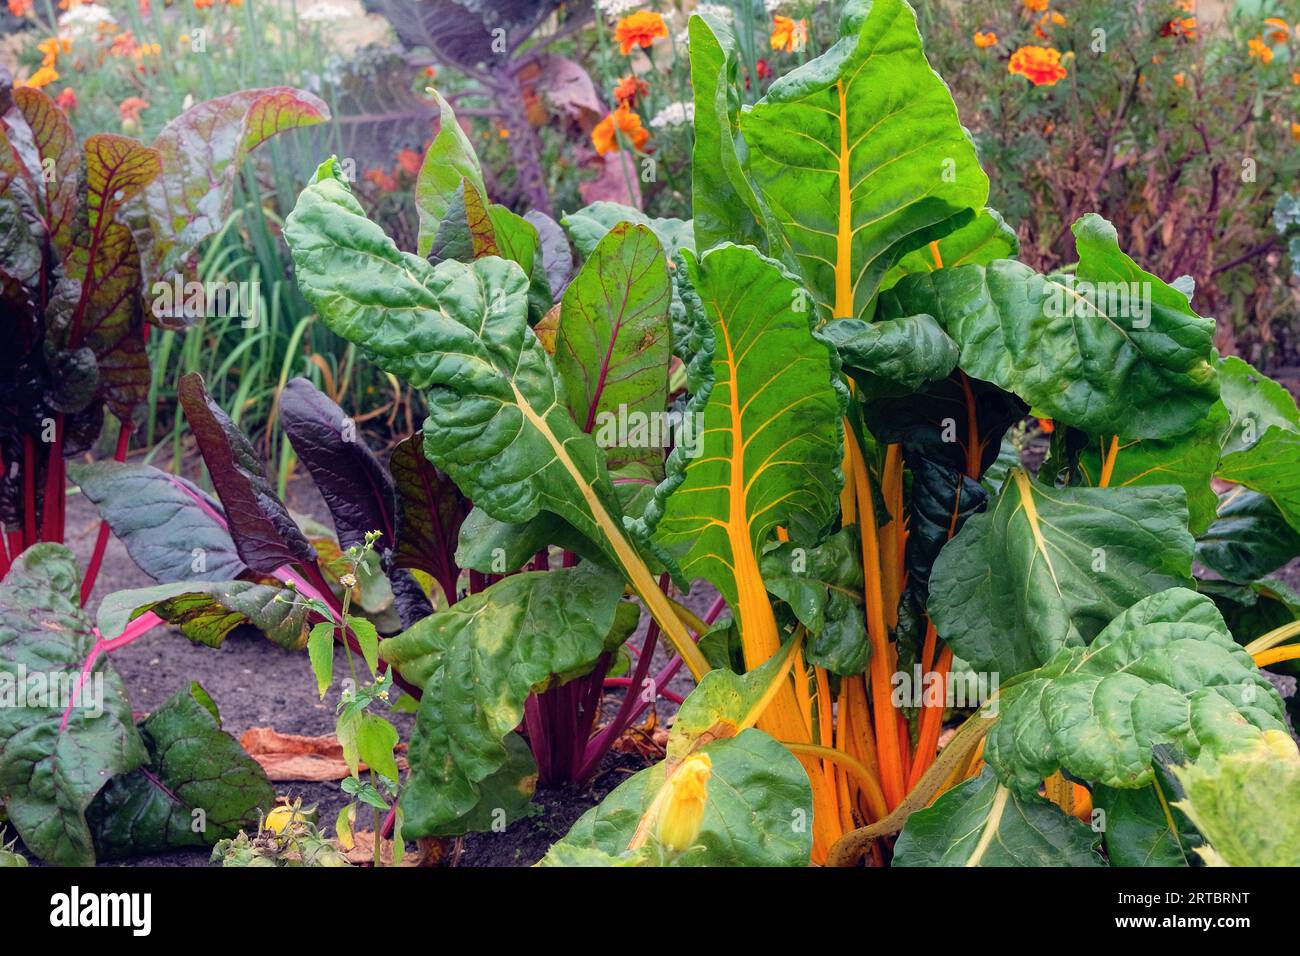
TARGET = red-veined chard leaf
(497,424)
(197,787)
(354,483)
(60,161)
(49,772)
(265,535)
(431,510)
(202,151)
(172,528)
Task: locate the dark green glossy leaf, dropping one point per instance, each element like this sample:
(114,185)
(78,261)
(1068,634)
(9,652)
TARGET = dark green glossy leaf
(1046,568)
(199,786)
(50,772)
(981,823)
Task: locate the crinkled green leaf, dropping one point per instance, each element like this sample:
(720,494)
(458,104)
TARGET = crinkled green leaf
(1271,467)
(50,772)
(589,225)
(981,823)
(895,357)
(1165,671)
(1105,363)
(758,811)
(477,662)
(1256,404)
(1046,568)
(823,587)
(861,158)
(199,786)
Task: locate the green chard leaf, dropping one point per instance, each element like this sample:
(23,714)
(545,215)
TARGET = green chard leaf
(758,813)
(57,753)
(206,611)
(1110,348)
(449,161)
(982,823)
(200,785)
(477,663)
(1048,568)
(497,424)
(1165,671)
(861,158)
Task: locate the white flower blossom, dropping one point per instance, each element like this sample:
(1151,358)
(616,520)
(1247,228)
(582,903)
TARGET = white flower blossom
(326,13)
(83,20)
(617,9)
(674,114)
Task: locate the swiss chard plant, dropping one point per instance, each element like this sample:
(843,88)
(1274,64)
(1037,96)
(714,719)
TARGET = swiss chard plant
(859,344)
(91,231)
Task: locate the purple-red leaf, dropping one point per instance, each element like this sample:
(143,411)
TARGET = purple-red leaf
(202,150)
(56,148)
(265,536)
(430,512)
(354,483)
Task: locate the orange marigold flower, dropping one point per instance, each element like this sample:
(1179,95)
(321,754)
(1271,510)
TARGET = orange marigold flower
(1259,50)
(1295,79)
(42,77)
(202,4)
(1038,6)
(604,137)
(20,8)
(1048,20)
(985,40)
(788,34)
(66,101)
(124,44)
(1281,30)
(1295,132)
(1047,425)
(409,161)
(385,182)
(1040,65)
(1180,80)
(630,88)
(129,108)
(1180,27)
(639,29)
(51,48)
(430,72)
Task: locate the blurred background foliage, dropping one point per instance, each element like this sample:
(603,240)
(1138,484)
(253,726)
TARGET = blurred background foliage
(1177,120)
